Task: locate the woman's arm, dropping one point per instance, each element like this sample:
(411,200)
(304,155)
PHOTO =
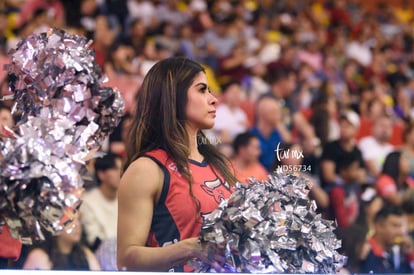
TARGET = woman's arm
(92,261)
(37,259)
(387,188)
(139,191)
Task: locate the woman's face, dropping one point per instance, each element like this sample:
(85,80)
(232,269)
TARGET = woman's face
(74,233)
(200,109)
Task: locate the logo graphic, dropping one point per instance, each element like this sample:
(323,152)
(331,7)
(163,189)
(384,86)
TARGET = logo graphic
(288,153)
(290,160)
(212,188)
(210,139)
(173,167)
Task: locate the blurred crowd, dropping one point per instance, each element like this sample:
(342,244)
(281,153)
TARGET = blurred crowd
(315,86)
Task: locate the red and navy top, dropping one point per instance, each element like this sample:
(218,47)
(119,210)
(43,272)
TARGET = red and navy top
(175,216)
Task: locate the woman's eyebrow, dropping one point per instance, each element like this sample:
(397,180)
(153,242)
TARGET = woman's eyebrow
(204,85)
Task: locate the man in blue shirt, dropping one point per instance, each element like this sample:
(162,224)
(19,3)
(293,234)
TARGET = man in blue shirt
(270,129)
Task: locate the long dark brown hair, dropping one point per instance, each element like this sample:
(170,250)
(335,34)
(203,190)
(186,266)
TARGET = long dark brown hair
(159,119)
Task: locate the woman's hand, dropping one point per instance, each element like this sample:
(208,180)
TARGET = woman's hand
(208,253)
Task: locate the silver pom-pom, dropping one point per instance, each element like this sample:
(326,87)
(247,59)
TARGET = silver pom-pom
(270,227)
(65,115)
(57,70)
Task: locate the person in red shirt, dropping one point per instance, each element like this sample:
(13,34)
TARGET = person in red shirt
(394,179)
(173,176)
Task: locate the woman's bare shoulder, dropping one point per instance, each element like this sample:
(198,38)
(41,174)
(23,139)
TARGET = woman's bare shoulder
(143,165)
(144,171)
(37,259)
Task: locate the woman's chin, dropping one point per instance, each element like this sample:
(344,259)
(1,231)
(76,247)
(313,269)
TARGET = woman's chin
(208,126)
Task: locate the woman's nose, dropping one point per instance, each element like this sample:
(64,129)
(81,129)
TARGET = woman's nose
(213,99)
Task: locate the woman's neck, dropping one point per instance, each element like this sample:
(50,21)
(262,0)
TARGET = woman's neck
(64,246)
(194,154)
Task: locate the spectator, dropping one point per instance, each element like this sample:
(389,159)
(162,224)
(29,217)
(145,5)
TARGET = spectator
(245,161)
(324,117)
(408,147)
(54,10)
(122,68)
(135,35)
(120,60)
(282,85)
(89,10)
(370,107)
(236,64)
(170,13)
(188,43)
(394,178)
(117,13)
(103,38)
(167,38)
(376,147)
(99,209)
(144,11)
(270,129)
(333,153)
(307,88)
(350,74)
(360,51)
(373,106)
(218,41)
(370,202)
(353,246)
(344,194)
(389,233)
(63,252)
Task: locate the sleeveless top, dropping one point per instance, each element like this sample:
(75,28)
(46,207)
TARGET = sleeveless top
(175,216)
